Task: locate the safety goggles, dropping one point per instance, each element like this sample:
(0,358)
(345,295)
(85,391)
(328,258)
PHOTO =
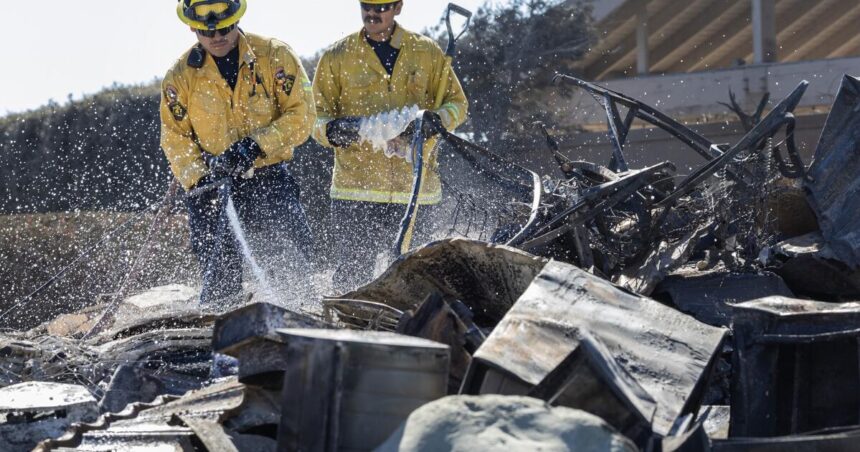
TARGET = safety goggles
(211,11)
(221,31)
(379,9)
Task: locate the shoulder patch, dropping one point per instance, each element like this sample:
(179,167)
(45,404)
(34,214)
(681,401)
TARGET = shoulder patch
(285,81)
(170,93)
(173,104)
(178,111)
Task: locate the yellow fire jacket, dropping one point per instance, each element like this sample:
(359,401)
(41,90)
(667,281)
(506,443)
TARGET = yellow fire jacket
(351,81)
(272,103)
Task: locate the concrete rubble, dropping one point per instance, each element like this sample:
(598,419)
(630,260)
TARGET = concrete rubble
(614,309)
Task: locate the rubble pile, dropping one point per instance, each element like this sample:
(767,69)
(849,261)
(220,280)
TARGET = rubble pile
(615,309)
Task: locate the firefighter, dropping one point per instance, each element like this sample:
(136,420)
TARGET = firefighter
(233,107)
(380,68)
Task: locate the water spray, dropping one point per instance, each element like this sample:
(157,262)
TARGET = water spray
(239,233)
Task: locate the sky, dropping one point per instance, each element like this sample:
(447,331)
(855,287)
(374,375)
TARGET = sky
(55,48)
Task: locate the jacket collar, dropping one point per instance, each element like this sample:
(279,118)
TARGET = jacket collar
(361,45)
(396,40)
(246,53)
(397,36)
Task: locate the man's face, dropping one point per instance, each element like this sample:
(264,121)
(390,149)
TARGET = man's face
(218,45)
(378,22)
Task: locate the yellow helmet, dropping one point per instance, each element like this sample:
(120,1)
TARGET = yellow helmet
(379,2)
(210,14)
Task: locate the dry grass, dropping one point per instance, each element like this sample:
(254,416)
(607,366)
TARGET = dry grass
(35,247)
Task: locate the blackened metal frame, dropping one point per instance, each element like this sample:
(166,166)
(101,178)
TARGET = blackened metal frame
(619,129)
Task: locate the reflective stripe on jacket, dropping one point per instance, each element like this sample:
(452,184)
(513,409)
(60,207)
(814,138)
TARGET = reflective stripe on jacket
(351,81)
(272,103)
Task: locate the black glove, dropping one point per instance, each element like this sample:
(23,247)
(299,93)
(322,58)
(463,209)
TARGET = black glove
(208,179)
(431,126)
(236,160)
(343,132)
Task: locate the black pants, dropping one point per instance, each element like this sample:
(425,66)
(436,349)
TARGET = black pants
(272,217)
(362,230)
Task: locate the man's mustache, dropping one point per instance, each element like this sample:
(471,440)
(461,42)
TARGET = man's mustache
(372,20)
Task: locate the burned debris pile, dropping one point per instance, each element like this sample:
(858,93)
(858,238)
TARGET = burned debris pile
(615,308)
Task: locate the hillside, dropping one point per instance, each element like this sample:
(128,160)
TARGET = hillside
(36,247)
(95,153)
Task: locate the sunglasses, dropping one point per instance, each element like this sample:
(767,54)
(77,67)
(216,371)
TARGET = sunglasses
(221,31)
(378,8)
